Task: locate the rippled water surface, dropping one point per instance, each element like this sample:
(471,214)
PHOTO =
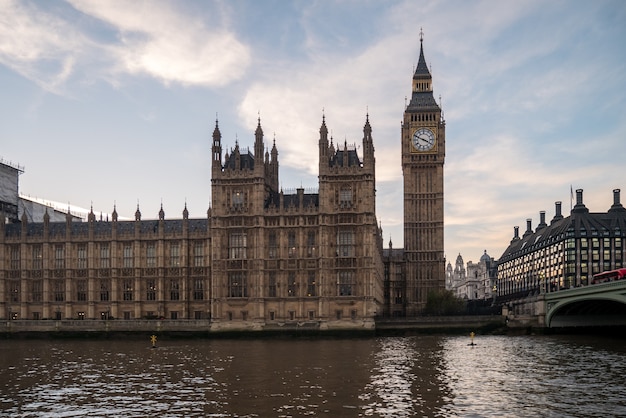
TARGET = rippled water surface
(431,376)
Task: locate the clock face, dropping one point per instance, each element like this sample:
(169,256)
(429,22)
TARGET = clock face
(423,139)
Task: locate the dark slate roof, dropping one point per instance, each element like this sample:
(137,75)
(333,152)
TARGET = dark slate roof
(345,158)
(579,224)
(421,72)
(104,228)
(289,200)
(422,101)
(246,160)
(393,252)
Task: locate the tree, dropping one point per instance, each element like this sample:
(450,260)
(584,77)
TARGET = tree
(443,302)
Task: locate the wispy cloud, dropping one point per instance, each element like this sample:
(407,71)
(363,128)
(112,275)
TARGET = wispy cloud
(168,44)
(151,38)
(532,91)
(40,46)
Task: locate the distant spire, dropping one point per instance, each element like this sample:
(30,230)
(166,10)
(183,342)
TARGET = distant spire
(422,68)
(161,212)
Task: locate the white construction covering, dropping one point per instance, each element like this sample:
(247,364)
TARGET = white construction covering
(8,183)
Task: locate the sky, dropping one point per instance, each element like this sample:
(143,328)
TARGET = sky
(113,103)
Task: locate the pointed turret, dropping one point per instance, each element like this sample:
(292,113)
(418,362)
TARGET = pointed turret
(236,154)
(137,221)
(422,80)
(161,213)
(217,149)
(91,217)
(137,213)
(274,167)
(368,144)
(258,142)
(422,97)
(323,146)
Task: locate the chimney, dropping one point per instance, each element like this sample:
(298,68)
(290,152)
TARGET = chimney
(617,206)
(557,213)
(580,206)
(515,234)
(529,228)
(542,220)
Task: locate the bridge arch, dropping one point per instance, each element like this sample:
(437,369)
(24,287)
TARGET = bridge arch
(587,309)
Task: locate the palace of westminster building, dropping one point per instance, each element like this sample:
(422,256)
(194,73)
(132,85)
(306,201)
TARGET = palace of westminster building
(261,259)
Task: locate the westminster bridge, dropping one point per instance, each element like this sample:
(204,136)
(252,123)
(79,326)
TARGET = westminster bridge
(598,305)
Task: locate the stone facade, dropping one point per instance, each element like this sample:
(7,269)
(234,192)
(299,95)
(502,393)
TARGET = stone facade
(423,145)
(263,258)
(474,282)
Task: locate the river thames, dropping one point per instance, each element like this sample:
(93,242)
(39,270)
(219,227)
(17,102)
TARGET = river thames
(429,376)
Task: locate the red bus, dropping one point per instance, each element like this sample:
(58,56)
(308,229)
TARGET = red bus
(609,276)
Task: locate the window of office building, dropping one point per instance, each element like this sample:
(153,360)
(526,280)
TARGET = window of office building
(105,256)
(345,197)
(237,285)
(175,289)
(59,256)
(272,245)
(150,255)
(37,257)
(345,283)
(105,290)
(128,255)
(292,287)
(310,244)
(127,289)
(238,199)
(310,284)
(198,288)
(174,254)
(272,285)
(345,243)
(81,290)
(198,254)
(37,290)
(81,256)
(151,289)
(14,290)
(237,246)
(58,290)
(292,249)
(15,257)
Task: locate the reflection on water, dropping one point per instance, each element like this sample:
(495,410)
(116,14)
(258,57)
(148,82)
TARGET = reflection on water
(429,376)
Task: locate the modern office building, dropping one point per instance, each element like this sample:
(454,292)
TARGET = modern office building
(565,253)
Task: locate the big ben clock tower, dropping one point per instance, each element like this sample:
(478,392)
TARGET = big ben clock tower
(423,154)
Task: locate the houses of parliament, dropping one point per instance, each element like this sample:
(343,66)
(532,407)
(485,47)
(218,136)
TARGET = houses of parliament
(262,258)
